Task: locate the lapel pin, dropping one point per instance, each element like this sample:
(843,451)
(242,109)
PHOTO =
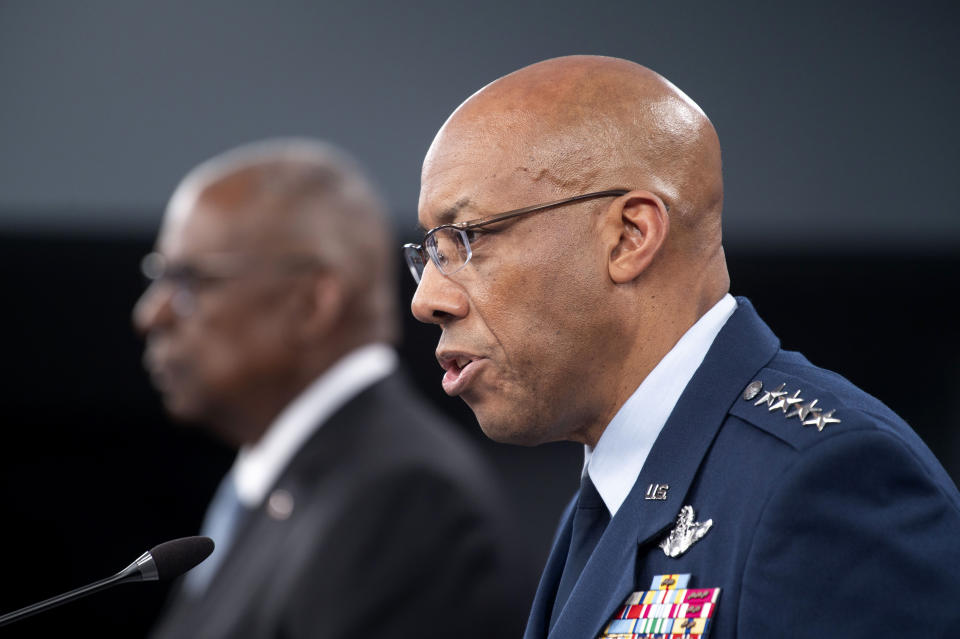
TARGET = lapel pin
(280,505)
(686,533)
(657,492)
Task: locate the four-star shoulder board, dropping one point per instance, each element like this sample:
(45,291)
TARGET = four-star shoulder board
(791,404)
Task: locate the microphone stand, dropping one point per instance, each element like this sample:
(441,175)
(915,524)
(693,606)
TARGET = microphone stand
(143,569)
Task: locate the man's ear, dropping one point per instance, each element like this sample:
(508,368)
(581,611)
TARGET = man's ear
(322,304)
(640,224)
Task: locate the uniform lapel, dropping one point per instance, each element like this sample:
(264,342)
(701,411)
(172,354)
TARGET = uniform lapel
(743,346)
(549,580)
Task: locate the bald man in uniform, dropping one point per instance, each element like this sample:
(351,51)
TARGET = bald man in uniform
(351,508)
(575,268)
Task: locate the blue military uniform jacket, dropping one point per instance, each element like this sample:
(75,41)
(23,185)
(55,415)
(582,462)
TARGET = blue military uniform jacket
(848,531)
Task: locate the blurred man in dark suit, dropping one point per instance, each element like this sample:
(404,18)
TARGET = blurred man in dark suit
(351,508)
(575,266)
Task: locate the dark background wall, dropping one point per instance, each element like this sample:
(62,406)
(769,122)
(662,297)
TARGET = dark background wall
(838,122)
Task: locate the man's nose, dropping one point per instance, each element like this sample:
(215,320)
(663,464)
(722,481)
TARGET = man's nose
(438,299)
(154,309)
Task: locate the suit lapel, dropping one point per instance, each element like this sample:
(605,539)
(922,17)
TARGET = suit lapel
(318,457)
(254,551)
(743,346)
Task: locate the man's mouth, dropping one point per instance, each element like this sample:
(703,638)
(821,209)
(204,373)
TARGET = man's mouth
(164,371)
(460,369)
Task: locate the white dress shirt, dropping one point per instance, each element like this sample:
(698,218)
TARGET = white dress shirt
(615,462)
(257,467)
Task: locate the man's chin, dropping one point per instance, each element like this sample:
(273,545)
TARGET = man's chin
(182,411)
(505,432)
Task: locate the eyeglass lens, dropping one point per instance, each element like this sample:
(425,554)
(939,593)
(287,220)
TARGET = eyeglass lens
(449,248)
(414,257)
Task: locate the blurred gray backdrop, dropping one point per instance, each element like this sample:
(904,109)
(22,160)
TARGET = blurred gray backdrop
(838,119)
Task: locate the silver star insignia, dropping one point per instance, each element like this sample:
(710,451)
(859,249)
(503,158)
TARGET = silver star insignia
(803,410)
(686,533)
(821,420)
(790,401)
(771,396)
(784,403)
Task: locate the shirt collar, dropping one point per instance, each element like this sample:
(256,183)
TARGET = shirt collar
(257,467)
(615,462)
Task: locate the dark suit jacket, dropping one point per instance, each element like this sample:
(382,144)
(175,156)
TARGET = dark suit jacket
(395,532)
(852,531)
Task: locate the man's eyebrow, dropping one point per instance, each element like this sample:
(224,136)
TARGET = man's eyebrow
(448,215)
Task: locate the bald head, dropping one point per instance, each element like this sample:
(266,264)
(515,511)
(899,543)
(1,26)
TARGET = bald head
(586,123)
(561,313)
(303,198)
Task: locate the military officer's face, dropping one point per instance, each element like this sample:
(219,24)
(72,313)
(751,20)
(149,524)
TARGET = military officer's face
(522,324)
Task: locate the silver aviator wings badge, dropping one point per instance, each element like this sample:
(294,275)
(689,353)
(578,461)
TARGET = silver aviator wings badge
(686,533)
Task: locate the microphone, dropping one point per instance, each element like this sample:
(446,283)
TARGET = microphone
(161,563)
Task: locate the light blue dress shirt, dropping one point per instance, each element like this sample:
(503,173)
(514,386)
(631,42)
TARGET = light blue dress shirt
(615,462)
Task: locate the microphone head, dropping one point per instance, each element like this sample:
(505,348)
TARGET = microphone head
(177,556)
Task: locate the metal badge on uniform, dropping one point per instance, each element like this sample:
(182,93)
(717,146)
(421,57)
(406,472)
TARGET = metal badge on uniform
(791,405)
(657,492)
(686,533)
(752,390)
(670,608)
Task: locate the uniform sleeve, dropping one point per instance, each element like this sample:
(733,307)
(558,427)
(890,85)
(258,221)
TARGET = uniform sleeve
(413,555)
(857,540)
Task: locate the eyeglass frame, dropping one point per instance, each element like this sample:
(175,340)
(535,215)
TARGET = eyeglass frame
(186,278)
(423,252)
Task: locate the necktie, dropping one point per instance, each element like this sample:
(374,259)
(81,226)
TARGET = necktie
(220,524)
(589,521)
